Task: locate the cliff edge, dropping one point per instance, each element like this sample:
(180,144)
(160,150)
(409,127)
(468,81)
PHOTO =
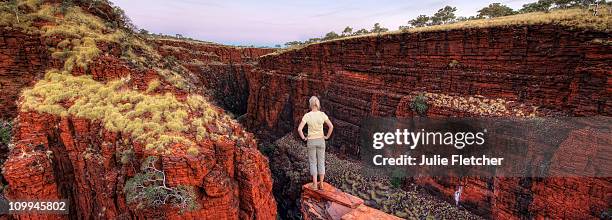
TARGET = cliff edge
(329,203)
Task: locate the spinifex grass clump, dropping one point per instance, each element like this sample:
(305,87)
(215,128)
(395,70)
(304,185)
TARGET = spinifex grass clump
(22,14)
(80,31)
(481,106)
(80,34)
(156,120)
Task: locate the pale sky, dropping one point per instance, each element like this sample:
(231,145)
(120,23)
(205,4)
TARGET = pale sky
(266,23)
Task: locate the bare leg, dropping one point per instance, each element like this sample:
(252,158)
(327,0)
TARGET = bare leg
(321,177)
(314,182)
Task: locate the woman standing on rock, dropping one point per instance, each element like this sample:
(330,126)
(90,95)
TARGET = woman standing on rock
(316,141)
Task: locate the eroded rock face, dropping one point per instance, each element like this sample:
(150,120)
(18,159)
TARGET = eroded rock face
(78,159)
(71,158)
(23,59)
(543,70)
(220,69)
(559,71)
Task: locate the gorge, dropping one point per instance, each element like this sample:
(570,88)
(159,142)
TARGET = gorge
(242,106)
(526,69)
(517,70)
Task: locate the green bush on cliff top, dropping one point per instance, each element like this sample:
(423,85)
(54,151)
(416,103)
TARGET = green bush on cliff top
(419,104)
(148,189)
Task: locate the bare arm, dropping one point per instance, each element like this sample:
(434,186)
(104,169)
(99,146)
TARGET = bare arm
(300,128)
(330,130)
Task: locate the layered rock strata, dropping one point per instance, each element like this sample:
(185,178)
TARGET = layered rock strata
(517,70)
(93,103)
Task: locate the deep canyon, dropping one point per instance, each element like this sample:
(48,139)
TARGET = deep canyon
(517,70)
(538,69)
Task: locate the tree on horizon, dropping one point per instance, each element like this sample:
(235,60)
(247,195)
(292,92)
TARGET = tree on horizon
(378,29)
(495,10)
(444,15)
(420,21)
(292,43)
(313,40)
(361,31)
(547,5)
(331,35)
(347,31)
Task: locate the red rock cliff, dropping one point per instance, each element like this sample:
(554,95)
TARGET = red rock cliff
(557,70)
(220,69)
(71,158)
(23,59)
(62,155)
(538,69)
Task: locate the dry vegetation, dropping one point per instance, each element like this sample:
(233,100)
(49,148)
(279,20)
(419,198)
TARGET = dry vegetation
(81,34)
(571,18)
(195,41)
(156,120)
(163,123)
(170,38)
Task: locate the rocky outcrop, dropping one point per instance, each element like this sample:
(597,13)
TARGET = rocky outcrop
(561,194)
(78,159)
(497,71)
(23,60)
(329,203)
(75,159)
(60,153)
(220,69)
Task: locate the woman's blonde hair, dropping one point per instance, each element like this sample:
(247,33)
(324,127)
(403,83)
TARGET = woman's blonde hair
(314,102)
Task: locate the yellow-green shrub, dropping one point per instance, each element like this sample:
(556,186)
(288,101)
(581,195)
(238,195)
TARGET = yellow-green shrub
(193,151)
(153,85)
(156,120)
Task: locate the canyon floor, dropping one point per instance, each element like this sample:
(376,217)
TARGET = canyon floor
(289,163)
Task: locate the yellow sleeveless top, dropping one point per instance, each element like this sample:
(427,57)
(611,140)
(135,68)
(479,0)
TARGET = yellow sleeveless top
(315,121)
